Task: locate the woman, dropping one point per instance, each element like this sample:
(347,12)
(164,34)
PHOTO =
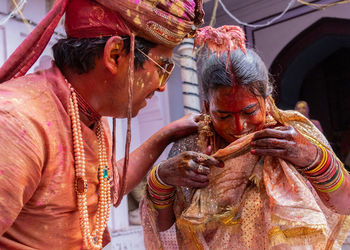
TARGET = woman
(281,188)
(303,108)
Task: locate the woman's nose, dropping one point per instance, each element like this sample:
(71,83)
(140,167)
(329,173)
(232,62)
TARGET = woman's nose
(238,123)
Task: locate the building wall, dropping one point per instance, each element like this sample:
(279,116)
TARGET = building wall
(13,32)
(271,40)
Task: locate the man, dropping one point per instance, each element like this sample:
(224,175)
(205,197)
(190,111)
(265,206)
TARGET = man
(55,157)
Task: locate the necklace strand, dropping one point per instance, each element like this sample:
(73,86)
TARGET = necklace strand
(86,108)
(91,240)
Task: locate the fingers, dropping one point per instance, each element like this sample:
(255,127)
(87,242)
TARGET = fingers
(280,153)
(207,160)
(271,143)
(278,132)
(274,147)
(203,159)
(197,177)
(200,169)
(190,169)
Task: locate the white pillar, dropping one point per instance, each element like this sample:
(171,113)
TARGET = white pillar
(119,218)
(189,77)
(123,235)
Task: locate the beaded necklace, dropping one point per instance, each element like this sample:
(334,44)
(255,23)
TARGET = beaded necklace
(92,240)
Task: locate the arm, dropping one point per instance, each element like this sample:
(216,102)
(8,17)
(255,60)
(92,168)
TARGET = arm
(142,158)
(166,218)
(330,180)
(183,169)
(290,145)
(20,167)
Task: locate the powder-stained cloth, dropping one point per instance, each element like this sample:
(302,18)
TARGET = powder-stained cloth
(38,201)
(252,203)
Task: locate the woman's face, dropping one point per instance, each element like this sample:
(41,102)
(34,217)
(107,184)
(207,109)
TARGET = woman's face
(303,108)
(235,112)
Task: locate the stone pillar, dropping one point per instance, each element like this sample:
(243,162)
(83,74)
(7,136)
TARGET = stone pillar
(189,77)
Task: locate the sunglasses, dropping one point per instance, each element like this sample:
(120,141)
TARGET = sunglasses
(165,70)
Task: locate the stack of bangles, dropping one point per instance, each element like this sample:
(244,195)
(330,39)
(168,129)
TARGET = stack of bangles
(161,194)
(327,176)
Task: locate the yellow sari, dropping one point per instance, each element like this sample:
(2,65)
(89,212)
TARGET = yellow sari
(254,202)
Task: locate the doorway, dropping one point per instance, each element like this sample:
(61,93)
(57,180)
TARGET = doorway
(315,67)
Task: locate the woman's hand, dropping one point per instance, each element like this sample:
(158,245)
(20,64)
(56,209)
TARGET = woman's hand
(182,127)
(286,143)
(188,169)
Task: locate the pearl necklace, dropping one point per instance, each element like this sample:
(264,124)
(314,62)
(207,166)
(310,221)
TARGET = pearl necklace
(91,240)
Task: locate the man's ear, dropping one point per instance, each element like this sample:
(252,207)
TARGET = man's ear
(112,50)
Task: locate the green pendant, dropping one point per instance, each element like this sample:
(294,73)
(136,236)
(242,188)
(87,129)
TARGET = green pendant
(105,173)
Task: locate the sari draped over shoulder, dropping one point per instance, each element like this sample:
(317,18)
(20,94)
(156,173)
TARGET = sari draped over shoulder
(253,203)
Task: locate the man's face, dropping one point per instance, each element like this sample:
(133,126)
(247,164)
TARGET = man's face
(235,112)
(147,80)
(150,78)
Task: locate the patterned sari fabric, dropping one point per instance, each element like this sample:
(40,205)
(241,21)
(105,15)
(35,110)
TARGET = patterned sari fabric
(253,203)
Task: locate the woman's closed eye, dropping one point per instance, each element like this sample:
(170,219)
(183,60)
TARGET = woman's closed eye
(250,111)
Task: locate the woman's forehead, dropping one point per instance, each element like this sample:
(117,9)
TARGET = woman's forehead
(232,99)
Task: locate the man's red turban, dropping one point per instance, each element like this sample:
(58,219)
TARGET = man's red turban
(164,22)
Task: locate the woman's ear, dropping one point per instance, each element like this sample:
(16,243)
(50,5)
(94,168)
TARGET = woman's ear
(112,51)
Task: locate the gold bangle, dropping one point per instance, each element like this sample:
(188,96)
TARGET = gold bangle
(323,161)
(156,181)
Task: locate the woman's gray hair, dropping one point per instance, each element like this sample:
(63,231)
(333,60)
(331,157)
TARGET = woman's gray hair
(246,70)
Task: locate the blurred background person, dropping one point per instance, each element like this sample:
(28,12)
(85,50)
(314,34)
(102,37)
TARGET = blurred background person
(303,108)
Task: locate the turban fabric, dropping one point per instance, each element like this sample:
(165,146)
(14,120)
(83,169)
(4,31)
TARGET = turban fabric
(164,22)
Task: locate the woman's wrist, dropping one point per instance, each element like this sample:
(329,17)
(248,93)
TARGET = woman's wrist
(315,162)
(161,178)
(325,173)
(161,194)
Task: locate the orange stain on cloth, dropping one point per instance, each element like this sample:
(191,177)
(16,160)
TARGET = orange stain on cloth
(38,201)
